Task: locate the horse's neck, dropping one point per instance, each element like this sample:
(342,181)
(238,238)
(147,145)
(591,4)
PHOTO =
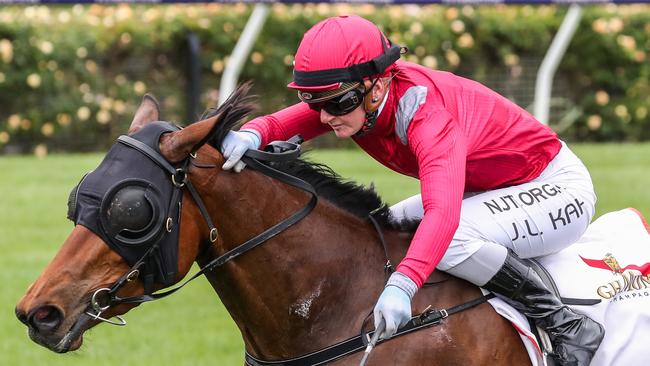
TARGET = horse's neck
(320,277)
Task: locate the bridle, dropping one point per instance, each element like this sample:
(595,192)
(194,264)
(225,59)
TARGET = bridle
(105,298)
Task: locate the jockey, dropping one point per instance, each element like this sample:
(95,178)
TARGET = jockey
(496,185)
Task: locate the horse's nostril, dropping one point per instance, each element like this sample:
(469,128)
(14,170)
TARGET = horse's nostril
(45,319)
(21,315)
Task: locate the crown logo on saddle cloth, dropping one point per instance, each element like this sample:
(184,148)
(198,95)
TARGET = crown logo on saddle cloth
(612,263)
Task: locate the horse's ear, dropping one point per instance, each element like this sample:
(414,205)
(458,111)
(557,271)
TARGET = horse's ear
(147,112)
(176,146)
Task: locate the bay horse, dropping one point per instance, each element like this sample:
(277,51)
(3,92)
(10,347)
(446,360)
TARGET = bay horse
(305,289)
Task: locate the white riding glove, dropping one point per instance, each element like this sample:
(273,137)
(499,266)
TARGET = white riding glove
(235,145)
(394,304)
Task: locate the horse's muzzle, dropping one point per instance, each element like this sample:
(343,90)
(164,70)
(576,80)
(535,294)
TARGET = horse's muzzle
(44,325)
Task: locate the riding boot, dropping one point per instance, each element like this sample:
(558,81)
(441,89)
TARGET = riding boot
(575,338)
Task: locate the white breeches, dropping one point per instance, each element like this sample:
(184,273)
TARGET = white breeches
(532,219)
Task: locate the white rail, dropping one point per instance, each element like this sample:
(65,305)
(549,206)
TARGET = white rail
(554,55)
(242,49)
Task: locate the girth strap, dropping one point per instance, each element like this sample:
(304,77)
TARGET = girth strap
(356,344)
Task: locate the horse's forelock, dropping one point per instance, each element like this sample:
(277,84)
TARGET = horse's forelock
(238,105)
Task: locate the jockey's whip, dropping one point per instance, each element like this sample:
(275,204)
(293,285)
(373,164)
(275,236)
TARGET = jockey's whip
(373,341)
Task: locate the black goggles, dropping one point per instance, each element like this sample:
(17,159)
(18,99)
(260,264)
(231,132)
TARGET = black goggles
(342,104)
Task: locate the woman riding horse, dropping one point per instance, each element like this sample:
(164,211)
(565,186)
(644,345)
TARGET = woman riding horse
(305,289)
(496,185)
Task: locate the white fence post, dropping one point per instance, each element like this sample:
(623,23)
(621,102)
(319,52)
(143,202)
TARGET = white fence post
(552,59)
(242,49)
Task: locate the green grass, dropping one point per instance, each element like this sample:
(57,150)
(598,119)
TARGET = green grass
(192,327)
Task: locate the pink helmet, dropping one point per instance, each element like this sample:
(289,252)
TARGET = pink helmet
(337,54)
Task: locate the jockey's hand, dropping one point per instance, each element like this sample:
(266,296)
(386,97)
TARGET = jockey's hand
(394,304)
(235,145)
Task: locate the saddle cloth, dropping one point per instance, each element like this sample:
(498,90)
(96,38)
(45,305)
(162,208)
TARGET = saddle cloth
(610,262)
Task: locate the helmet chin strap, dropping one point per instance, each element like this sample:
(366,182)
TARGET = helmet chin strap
(371,107)
(369,123)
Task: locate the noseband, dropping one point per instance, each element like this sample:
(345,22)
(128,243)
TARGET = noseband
(163,237)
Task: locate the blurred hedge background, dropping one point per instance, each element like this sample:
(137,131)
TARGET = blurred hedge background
(72,76)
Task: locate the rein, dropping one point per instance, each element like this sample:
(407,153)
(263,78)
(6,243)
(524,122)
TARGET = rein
(428,318)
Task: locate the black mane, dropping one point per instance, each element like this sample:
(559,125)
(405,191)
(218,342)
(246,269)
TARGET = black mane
(354,198)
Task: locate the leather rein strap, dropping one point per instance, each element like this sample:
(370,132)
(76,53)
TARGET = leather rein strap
(428,318)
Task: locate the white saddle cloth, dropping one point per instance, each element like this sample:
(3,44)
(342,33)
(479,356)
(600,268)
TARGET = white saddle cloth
(611,262)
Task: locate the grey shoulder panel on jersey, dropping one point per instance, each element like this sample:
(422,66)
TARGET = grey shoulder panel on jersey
(408,105)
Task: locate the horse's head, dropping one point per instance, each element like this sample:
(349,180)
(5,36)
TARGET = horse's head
(128,240)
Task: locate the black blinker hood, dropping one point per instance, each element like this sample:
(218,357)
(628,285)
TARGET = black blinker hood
(94,200)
